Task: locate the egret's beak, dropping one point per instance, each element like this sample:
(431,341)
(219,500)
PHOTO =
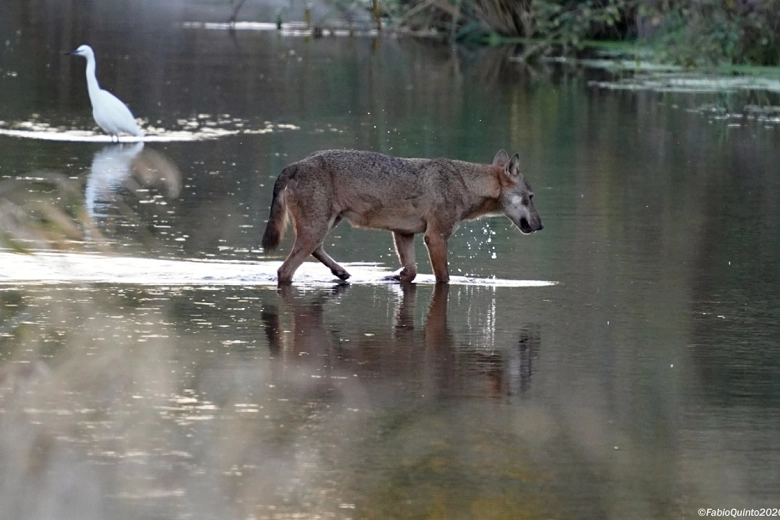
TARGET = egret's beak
(74,51)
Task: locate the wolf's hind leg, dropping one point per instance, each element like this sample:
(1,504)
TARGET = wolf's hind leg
(404,246)
(325,258)
(334,267)
(293,262)
(307,240)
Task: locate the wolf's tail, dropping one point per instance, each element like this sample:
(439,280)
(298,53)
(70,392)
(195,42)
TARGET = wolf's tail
(277,220)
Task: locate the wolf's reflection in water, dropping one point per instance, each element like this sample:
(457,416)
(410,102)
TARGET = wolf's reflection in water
(431,356)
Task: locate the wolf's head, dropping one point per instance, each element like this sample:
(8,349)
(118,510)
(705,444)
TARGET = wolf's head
(517,197)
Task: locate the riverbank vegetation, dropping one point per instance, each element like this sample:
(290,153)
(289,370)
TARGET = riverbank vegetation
(691,33)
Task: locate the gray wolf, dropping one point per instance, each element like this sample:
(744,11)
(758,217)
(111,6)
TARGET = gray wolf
(404,196)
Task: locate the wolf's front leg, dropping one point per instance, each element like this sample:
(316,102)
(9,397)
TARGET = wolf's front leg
(404,247)
(436,243)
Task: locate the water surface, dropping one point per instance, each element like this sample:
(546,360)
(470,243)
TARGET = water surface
(159,373)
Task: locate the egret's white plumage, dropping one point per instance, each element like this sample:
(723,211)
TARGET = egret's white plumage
(109,112)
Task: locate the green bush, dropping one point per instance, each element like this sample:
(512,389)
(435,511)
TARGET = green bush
(687,32)
(716,32)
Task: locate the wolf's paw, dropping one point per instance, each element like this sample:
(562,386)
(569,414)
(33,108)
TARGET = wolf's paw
(403,275)
(342,275)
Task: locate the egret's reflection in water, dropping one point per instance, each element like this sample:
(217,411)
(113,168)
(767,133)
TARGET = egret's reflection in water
(135,168)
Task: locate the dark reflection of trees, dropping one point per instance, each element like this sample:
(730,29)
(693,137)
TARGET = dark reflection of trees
(44,211)
(431,356)
(736,324)
(496,66)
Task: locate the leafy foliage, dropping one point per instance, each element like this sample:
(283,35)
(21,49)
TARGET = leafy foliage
(712,32)
(700,33)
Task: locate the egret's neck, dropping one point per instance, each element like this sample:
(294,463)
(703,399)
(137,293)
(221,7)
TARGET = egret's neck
(92,82)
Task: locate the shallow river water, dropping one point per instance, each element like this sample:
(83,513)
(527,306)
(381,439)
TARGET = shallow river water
(622,363)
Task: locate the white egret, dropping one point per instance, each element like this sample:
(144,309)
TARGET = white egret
(109,112)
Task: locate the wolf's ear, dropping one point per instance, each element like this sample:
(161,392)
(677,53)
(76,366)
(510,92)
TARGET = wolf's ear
(512,168)
(501,158)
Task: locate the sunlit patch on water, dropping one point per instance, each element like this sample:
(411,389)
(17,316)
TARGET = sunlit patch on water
(490,282)
(611,64)
(733,113)
(238,26)
(87,268)
(197,128)
(333,28)
(767,115)
(185,409)
(690,83)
